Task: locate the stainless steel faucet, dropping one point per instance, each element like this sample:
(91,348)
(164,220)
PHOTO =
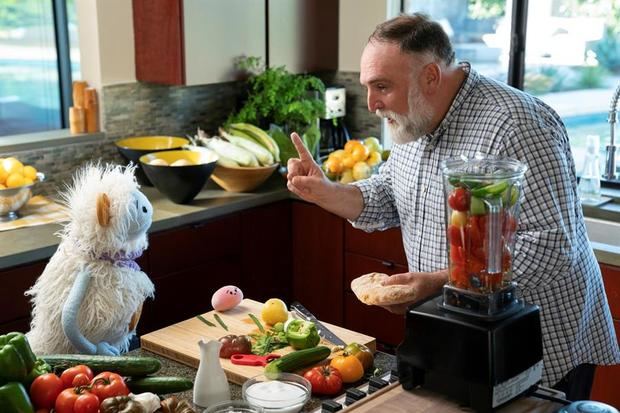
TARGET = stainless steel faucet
(610,159)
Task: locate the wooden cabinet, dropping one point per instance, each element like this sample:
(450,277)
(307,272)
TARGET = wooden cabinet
(194,42)
(607,378)
(15,314)
(318,261)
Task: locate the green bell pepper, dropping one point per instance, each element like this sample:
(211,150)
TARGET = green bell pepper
(302,334)
(40,367)
(16,357)
(14,399)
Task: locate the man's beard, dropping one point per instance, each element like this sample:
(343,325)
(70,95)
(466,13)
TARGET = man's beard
(414,125)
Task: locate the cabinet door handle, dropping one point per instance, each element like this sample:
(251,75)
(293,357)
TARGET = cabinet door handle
(388,264)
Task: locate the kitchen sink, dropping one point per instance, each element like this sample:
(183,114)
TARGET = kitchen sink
(603,232)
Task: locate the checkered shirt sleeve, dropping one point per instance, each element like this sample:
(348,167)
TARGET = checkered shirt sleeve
(554,264)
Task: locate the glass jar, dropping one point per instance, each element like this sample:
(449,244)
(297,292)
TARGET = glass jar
(482,197)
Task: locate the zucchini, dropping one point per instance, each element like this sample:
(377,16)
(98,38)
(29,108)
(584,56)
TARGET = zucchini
(297,359)
(159,385)
(123,365)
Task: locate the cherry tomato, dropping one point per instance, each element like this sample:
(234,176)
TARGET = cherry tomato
(108,384)
(457,255)
(459,199)
(67,401)
(44,390)
(69,374)
(350,368)
(324,380)
(458,236)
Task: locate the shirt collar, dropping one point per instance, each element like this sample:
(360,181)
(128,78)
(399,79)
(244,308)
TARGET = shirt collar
(468,85)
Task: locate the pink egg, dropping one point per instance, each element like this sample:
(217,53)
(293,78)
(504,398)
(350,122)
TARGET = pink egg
(226,298)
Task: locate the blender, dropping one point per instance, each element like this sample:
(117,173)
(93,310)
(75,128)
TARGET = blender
(477,342)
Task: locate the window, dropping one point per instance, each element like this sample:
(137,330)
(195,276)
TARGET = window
(571,59)
(38,58)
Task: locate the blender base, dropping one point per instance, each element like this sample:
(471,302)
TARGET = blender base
(487,306)
(480,363)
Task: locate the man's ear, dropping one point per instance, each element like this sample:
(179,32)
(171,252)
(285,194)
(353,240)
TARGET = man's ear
(103,210)
(431,78)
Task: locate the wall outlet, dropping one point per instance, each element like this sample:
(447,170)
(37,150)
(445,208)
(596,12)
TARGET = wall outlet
(335,102)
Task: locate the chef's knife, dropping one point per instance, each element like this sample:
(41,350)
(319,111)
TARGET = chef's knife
(324,332)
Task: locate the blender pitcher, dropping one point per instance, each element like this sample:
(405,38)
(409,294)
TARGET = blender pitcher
(482,197)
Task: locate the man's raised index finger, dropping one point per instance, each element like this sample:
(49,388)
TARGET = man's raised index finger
(303,152)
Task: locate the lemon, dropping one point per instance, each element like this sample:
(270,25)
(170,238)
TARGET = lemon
(361,170)
(3,175)
(30,172)
(14,180)
(347,177)
(274,311)
(12,165)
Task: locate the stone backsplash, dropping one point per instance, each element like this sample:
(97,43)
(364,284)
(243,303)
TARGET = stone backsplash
(139,109)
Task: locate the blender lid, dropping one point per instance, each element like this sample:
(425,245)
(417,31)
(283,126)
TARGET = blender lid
(494,166)
(587,406)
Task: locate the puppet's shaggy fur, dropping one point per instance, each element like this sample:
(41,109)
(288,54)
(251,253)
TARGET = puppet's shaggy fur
(115,293)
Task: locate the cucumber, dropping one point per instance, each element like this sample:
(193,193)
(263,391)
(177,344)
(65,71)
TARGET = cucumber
(297,359)
(123,365)
(159,385)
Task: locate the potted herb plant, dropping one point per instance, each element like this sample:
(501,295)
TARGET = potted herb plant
(281,102)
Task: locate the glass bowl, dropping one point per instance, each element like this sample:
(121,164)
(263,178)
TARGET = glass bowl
(282,393)
(233,406)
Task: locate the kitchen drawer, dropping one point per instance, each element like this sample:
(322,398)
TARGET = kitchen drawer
(187,247)
(607,380)
(385,245)
(386,327)
(611,278)
(356,265)
(187,293)
(15,282)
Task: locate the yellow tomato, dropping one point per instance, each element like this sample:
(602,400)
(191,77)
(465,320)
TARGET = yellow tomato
(337,154)
(347,177)
(348,162)
(30,172)
(333,165)
(352,144)
(12,165)
(3,175)
(14,180)
(361,171)
(373,144)
(274,311)
(350,368)
(374,158)
(2,186)
(458,219)
(360,153)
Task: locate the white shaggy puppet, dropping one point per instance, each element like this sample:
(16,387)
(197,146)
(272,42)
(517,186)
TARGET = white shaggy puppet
(89,298)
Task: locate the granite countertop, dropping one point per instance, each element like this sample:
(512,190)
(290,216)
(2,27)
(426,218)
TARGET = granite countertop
(31,244)
(383,361)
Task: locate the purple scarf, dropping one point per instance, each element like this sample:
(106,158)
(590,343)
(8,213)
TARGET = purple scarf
(123,260)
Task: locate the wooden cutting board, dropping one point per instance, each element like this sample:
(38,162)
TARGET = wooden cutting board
(179,341)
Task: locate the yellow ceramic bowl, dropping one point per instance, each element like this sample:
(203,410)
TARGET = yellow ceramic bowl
(179,183)
(133,148)
(242,179)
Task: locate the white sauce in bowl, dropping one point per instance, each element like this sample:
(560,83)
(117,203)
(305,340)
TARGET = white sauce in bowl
(276,395)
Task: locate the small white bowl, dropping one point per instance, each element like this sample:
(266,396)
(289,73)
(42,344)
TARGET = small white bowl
(233,406)
(284,393)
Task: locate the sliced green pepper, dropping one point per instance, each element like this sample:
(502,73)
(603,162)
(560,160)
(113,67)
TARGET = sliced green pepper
(16,357)
(302,334)
(490,190)
(14,399)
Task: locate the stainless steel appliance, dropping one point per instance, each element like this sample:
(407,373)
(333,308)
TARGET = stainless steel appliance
(478,342)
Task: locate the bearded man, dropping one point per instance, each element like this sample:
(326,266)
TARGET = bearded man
(438,109)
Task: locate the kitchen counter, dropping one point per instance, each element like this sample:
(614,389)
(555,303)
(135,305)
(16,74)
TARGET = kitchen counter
(31,244)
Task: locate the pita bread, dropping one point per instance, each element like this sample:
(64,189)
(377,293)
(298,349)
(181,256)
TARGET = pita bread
(369,290)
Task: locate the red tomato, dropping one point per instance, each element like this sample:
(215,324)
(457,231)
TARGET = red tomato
(42,411)
(457,255)
(458,276)
(459,199)
(473,229)
(81,379)
(44,390)
(324,380)
(108,384)
(458,236)
(475,266)
(68,375)
(76,400)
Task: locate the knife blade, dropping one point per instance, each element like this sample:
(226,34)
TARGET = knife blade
(324,332)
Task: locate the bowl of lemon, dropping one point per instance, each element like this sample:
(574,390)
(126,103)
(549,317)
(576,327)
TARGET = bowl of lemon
(356,161)
(180,175)
(16,183)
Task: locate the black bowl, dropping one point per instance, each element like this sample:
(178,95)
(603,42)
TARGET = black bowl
(179,183)
(133,148)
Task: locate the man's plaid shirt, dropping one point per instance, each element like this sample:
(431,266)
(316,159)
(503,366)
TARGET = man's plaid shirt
(553,261)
